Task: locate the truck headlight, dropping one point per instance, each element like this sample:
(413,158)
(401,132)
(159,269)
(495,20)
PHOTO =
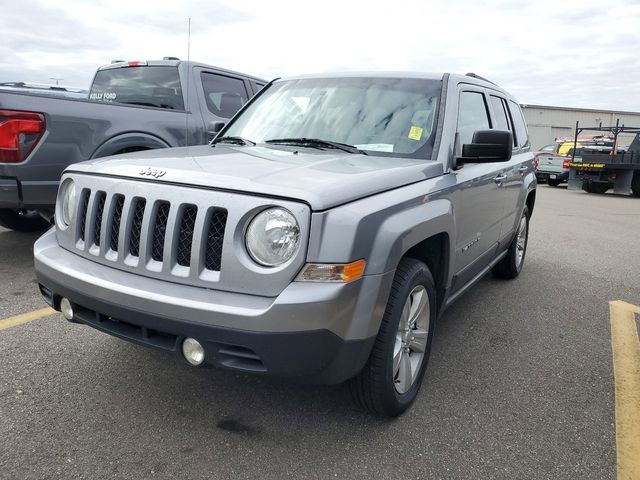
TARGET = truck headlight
(68,202)
(273,237)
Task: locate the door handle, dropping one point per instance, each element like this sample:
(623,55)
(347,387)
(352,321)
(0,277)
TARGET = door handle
(500,178)
(523,169)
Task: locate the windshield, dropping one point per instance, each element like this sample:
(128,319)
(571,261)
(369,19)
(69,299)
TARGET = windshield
(157,86)
(388,116)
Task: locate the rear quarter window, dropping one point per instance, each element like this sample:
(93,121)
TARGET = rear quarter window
(151,86)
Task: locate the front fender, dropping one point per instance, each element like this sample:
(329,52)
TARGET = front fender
(129,140)
(380,229)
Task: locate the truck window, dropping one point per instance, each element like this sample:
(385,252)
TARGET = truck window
(472,115)
(151,86)
(224,95)
(257,86)
(521,127)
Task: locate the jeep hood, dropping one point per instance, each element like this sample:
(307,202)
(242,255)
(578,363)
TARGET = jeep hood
(321,178)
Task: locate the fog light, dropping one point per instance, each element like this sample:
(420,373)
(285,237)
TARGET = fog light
(192,350)
(66,308)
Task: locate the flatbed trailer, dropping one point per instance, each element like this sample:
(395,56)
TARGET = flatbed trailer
(596,170)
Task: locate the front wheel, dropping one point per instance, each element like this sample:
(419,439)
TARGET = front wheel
(511,265)
(22,220)
(391,379)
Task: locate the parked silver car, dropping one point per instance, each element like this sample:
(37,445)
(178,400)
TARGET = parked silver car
(319,237)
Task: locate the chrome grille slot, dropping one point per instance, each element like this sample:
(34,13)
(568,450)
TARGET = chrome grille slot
(136,226)
(159,231)
(118,203)
(185,235)
(215,237)
(82,218)
(97,219)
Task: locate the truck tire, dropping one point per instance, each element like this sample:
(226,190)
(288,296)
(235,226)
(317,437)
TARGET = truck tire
(511,265)
(635,185)
(391,379)
(553,183)
(22,220)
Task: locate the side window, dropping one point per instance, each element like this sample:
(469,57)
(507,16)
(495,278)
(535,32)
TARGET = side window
(502,122)
(518,121)
(501,112)
(472,115)
(224,95)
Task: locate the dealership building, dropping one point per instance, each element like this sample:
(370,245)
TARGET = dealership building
(547,123)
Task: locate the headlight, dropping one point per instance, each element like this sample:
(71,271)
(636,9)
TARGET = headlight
(68,202)
(273,237)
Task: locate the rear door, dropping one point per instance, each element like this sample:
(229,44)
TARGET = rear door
(480,209)
(521,162)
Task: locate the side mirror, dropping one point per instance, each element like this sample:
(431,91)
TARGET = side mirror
(214,128)
(488,146)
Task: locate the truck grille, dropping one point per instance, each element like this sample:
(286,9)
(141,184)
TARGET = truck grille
(159,224)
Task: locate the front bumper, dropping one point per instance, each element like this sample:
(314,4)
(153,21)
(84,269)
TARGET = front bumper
(320,332)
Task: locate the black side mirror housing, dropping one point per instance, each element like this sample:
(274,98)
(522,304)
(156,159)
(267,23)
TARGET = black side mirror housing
(214,128)
(488,146)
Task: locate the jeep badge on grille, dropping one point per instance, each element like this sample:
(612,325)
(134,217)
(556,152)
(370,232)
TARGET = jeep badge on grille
(152,172)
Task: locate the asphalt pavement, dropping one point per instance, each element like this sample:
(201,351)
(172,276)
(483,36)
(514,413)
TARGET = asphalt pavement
(520,382)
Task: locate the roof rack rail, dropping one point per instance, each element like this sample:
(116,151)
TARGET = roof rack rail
(473,75)
(170,58)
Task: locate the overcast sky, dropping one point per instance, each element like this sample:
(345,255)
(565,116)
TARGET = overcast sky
(578,53)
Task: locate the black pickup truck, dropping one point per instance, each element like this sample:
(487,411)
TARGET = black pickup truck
(132,106)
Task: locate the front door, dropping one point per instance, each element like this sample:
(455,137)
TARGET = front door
(480,207)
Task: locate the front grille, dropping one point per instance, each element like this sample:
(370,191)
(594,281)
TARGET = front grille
(136,226)
(84,205)
(115,222)
(159,231)
(97,226)
(185,236)
(215,236)
(163,230)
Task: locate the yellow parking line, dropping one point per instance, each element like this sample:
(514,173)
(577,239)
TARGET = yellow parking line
(25,317)
(626,368)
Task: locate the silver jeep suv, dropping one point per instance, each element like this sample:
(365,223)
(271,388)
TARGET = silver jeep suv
(319,237)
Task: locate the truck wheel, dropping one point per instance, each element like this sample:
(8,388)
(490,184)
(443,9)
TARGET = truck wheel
(389,382)
(22,220)
(511,265)
(553,183)
(635,185)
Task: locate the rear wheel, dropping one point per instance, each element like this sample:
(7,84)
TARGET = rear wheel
(22,220)
(511,265)
(391,379)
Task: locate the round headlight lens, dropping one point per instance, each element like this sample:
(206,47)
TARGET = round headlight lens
(273,237)
(68,202)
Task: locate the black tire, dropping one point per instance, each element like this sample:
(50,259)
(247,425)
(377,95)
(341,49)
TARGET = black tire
(22,220)
(635,185)
(511,265)
(553,183)
(586,185)
(374,388)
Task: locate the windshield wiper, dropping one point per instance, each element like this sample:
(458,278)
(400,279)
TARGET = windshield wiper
(316,142)
(234,140)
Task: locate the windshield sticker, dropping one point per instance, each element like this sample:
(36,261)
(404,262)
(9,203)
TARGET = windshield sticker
(415,133)
(103,96)
(376,147)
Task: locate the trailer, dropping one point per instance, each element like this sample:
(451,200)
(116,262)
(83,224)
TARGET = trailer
(600,167)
